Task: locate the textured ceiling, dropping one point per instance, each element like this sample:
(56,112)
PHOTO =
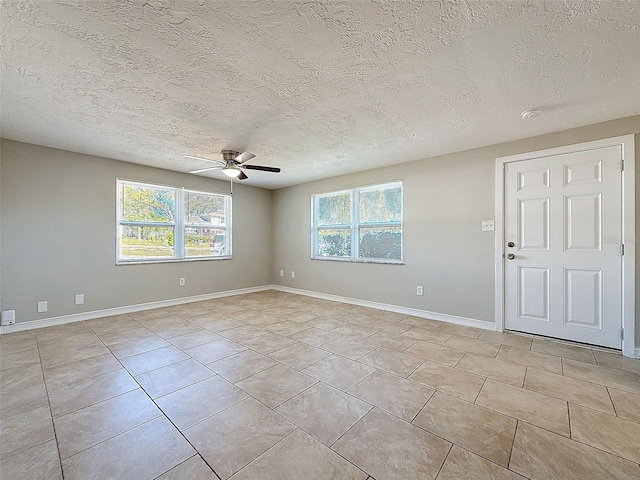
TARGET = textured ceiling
(316,88)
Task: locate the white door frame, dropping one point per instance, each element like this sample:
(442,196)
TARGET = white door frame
(628,229)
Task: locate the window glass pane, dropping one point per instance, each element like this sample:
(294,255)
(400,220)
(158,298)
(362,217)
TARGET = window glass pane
(381,205)
(204,242)
(380,242)
(201,208)
(146,204)
(334,209)
(143,242)
(334,242)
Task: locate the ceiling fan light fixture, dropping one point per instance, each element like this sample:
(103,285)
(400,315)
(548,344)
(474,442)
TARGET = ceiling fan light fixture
(231,171)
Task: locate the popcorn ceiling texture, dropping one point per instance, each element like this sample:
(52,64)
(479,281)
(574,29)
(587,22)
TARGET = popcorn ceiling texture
(316,88)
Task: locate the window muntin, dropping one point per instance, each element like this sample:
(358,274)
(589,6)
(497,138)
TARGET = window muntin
(161,223)
(360,224)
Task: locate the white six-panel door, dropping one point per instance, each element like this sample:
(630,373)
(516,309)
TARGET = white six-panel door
(563,274)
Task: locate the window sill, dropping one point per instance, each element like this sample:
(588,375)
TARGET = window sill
(359,260)
(169,260)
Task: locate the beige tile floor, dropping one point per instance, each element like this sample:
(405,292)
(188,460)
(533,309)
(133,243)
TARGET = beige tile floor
(278,386)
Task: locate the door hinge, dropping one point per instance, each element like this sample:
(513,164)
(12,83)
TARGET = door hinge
(622,334)
(622,164)
(622,249)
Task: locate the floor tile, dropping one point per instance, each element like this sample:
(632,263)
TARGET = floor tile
(461,330)
(22,400)
(216,322)
(138,333)
(242,333)
(287,327)
(81,370)
(89,426)
(135,347)
(542,455)
(436,353)
(449,380)
(464,465)
(472,345)
(21,377)
(614,435)
(144,452)
(173,377)
(299,355)
(490,367)
(276,385)
(566,388)
(154,359)
(392,361)
(505,338)
(339,372)
(17,346)
(324,412)
(241,365)
(177,329)
(20,360)
(60,356)
(541,410)
(627,405)
(268,343)
(37,463)
(74,396)
(484,432)
(390,449)
(627,381)
(193,469)
(212,351)
(617,362)
(300,456)
(193,339)
(421,322)
(393,342)
(196,402)
(427,335)
(65,331)
(236,436)
(315,336)
(26,430)
(103,326)
(396,395)
(349,347)
(579,354)
(541,361)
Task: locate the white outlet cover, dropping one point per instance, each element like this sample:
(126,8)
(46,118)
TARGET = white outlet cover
(293,274)
(42,307)
(8,317)
(79,299)
(282,273)
(488,225)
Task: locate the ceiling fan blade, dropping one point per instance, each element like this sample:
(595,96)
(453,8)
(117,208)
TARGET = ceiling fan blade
(260,167)
(205,169)
(244,157)
(242,176)
(203,159)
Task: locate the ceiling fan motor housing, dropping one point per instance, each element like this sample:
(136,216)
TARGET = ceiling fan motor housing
(229,155)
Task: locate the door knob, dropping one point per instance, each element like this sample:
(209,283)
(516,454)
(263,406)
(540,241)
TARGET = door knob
(511,256)
(511,244)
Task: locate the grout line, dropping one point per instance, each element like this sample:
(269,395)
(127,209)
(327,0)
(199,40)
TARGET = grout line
(445,459)
(513,441)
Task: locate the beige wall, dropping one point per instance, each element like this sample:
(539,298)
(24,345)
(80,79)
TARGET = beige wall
(445,200)
(58,212)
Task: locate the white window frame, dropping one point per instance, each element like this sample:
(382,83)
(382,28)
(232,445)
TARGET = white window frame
(179,225)
(355,225)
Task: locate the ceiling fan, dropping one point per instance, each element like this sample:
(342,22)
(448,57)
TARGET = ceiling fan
(232,164)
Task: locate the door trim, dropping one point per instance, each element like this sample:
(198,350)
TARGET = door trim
(627,144)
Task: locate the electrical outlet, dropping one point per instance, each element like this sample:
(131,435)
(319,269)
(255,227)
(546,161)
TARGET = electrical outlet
(419,290)
(80,299)
(42,307)
(282,273)
(293,274)
(8,317)
(182,282)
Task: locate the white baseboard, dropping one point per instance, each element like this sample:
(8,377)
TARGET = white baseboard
(443,317)
(78,317)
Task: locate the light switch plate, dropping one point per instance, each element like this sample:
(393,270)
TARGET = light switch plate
(488,225)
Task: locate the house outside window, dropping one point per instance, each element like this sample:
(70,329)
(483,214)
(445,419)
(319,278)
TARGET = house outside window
(163,223)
